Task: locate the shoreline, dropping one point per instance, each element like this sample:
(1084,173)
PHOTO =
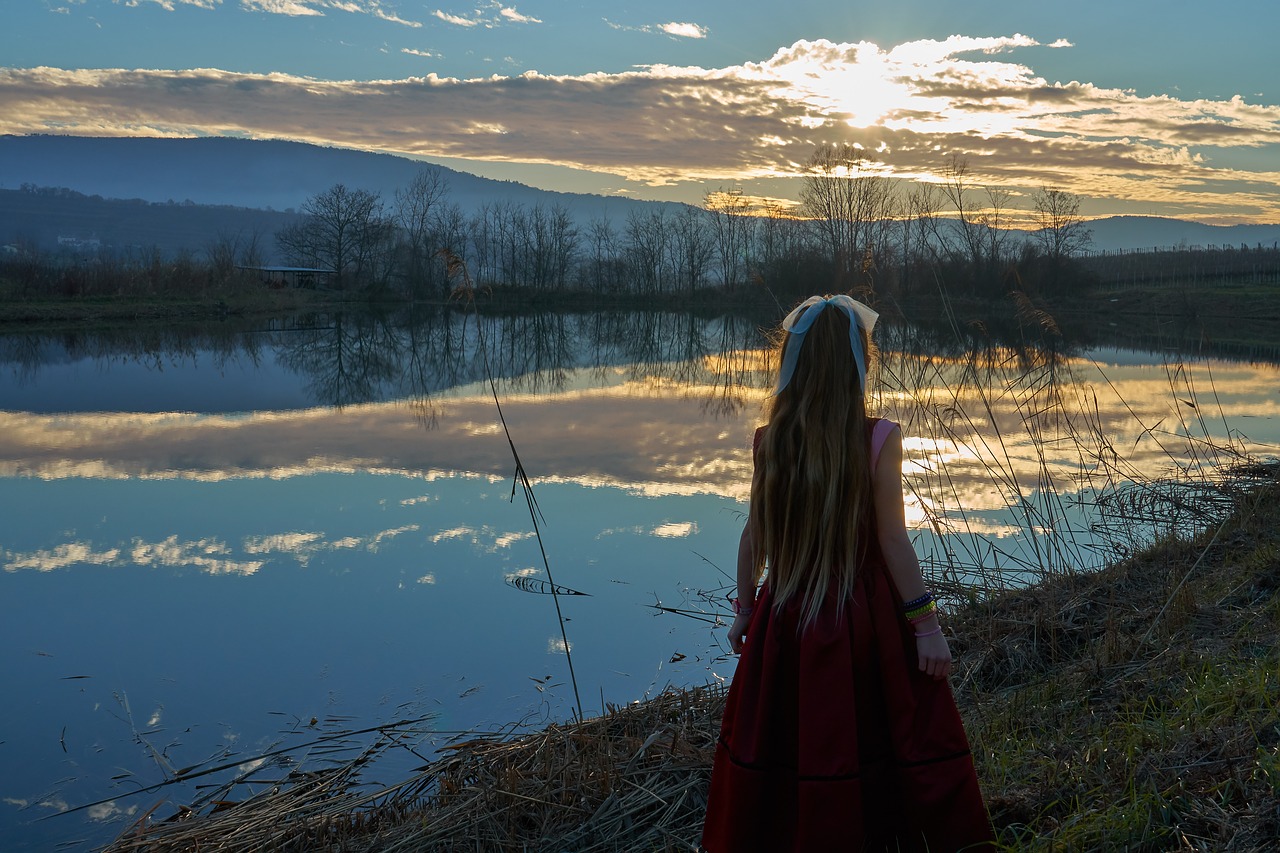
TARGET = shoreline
(1134,707)
(1239,318)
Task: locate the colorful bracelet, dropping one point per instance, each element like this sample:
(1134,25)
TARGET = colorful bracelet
(918,602)
(923,611)
(937,630)
(739,610)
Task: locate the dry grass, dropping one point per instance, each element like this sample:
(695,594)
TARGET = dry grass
(632,779)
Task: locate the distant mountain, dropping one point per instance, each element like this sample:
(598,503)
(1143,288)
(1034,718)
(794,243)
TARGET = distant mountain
(66,219)
(1155,232)
(250,173)
(279,176)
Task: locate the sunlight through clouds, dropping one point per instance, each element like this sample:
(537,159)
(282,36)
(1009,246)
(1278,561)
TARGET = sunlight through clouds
(909,107)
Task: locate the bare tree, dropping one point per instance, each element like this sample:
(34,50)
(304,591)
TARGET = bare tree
(782,240)
(483,258)
(920,235)
(343,230)
(979,234)
(647,236)
(417,210)
(1060,232)
(731,222)
(846,202)
(605,270)
(561,244)
(690,248)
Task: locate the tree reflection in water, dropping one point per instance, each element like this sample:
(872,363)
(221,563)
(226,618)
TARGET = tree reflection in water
(1009,403)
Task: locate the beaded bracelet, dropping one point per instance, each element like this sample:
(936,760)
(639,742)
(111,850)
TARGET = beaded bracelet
(916,620)
(923,611)
(918,602)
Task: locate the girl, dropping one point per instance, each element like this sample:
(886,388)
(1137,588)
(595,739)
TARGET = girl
(840,731)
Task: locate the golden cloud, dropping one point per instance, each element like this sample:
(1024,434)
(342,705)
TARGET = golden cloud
(910,108)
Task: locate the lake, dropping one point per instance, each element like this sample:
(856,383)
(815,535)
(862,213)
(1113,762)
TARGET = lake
(220,544)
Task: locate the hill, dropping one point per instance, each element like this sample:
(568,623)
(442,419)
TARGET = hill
(51,217)
(268,174)
(1156,232)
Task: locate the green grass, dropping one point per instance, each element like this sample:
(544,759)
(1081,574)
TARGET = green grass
(1103,720)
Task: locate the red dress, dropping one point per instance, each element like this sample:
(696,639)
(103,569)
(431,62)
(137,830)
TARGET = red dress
(833,740)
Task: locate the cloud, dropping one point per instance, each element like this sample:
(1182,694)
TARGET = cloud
(209,555)
(302,546)
(684,30)
(60,557)
(910,107)
(425,53)
(374,8)
(296,8)
(676,529)
(299,8)
(512,15)
(456,20)
(640,441)
(488,16)
(106,811)
(377,539)
(674,29)
(484,538)
(169,5)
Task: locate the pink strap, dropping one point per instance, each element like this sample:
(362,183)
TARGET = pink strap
(879,433)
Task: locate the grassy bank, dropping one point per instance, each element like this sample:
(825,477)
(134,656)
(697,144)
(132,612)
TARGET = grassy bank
(38,314)
(1137,708)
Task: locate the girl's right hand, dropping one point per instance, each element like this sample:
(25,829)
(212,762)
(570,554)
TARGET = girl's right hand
(738,632)
(935,655)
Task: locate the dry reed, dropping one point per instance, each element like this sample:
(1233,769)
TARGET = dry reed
(634,778)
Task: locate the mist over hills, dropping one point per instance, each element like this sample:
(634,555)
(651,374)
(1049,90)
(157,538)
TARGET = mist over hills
(253,185)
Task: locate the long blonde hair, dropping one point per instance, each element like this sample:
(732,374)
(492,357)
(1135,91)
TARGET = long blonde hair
(811,495)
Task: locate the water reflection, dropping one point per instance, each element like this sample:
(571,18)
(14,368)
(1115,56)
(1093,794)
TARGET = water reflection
(314,520)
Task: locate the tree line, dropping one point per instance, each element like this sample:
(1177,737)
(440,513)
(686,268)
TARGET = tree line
(853,229)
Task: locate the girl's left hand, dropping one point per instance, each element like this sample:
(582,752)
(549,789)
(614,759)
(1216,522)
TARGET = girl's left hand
(935,655)
(738,632)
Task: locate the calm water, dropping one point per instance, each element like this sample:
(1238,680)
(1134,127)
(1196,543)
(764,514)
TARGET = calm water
(217,545)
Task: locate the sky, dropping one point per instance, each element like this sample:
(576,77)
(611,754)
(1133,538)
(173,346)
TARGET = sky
(1137,107)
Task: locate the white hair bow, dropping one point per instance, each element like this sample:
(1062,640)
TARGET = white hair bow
(798,322)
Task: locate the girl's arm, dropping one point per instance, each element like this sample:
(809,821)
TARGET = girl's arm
(746,579)
(900,555)
(746,590)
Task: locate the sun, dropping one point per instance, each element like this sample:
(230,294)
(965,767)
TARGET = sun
(861,87)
